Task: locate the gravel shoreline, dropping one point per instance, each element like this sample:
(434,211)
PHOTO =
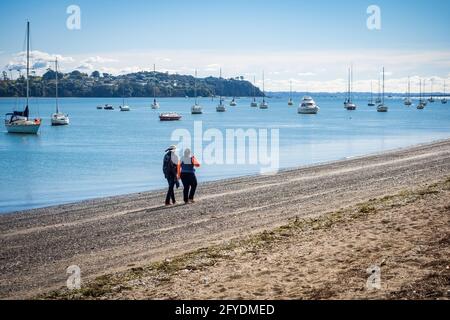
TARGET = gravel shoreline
(111,234)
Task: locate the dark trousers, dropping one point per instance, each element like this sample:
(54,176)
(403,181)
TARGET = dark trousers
(190,185)
(170,193)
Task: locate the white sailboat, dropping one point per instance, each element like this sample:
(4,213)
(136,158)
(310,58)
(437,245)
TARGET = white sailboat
(124,107)
(444,100)
(221,107)
(371,103)
(308,106)
(348,104)
(290,102)
(264,104)
(254,104)
(58,118)
(196,108)
(18,121)
(155,104)
(431,99)
(382,107)
(421,105)
(408,101)
(378,99)
(233,102)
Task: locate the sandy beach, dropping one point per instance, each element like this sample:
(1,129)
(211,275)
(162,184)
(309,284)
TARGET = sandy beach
(304,233)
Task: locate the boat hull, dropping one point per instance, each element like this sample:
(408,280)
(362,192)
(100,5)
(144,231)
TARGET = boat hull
(60,120)
(308,110)
(23,128)
(382,109)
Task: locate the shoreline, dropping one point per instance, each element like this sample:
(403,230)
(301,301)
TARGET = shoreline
(109,235)
(224,180)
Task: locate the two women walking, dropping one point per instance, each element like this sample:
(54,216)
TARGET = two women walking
(175,169)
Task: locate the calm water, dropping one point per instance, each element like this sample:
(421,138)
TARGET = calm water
(104,153)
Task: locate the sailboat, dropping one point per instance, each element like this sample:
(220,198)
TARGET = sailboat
(290,102)
(422,103)
(408,101)
(264,104)
(124,107)
(348,104)
(196,108)
(378,99)
(155,104)
(18,121)
(444,100)
(254,104)
(382,107)
(221,107)
(233,102)
(431,99)
(58,118)
(371,103)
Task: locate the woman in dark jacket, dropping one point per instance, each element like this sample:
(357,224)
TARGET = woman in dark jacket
(170,169)
(186,171)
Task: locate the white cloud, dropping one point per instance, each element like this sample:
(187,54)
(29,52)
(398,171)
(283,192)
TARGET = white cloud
(308,70)
(98,59)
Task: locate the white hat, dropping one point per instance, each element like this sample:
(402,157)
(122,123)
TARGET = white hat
(172,147)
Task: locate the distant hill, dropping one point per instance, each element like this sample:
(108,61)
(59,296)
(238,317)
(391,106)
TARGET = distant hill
(141,84)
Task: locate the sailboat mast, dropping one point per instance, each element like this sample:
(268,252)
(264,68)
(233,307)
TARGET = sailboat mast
(154,84)
(264,90)
(195,87)
(351,83)
(371,91)
(290,90)
(56,80)
(254,82)
(348,93)
(383,86)
(28,61)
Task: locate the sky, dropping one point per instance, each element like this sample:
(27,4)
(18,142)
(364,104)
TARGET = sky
(310,44)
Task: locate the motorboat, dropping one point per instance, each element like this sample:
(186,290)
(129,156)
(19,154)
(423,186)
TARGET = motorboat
(308,106)
(169,116)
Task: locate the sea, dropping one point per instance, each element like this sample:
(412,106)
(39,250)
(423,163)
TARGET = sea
(106,153)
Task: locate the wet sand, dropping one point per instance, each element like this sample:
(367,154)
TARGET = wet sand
(112,235)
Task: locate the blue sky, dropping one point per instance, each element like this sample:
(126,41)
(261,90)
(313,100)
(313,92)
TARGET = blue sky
(242,37)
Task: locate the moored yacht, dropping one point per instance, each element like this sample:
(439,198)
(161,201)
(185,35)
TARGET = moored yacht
(382,107)
(348,104)
(155,104)
(264,104)
(308,106)
(422,103)
(18,121)
(169,116)
(58,118)
(444,100)
(196,108)
(407,100)
(371,103)
(290,102)
(254,104)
